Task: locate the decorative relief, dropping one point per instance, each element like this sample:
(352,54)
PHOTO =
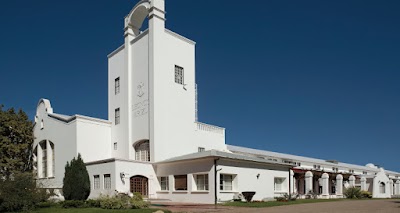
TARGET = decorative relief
(140,108)
(140,88)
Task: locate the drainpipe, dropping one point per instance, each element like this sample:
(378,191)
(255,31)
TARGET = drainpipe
(290,184)
(215,181)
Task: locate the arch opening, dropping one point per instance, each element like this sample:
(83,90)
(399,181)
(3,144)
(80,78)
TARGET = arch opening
(136,18)
(142,150)
(139,184)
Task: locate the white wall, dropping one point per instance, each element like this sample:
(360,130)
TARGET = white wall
(102,169)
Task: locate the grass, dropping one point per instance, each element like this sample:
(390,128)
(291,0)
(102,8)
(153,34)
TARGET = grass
(94,210)
(278,203)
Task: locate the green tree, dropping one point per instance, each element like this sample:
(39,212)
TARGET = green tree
(16,138)
(76,183)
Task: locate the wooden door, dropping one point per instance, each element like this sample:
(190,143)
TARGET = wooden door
(139,184)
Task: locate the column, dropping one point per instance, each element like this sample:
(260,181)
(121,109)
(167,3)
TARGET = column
(39,161)
(352,181)
(291,173)
(363,181)
(309,182)
(49,159)
(339,185)
(325,185)
(391,189)
(398,187)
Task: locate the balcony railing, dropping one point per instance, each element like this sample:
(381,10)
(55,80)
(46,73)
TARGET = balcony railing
(210,128)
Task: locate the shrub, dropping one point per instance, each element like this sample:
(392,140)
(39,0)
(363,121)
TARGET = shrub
(45,204)
(281,198)
(352,193)
(76,183)
(93,203)
(19,193)
(311,195)
(73,204)
(123,201)
(366,194)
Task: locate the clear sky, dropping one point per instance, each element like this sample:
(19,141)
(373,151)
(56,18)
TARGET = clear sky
(311,78)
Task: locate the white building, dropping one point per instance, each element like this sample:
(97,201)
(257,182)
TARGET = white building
(153,144)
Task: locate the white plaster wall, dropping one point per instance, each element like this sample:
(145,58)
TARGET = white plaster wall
(133,168)
(140,91)
(63,136)
(93,140)
(192,195)
(246,179)
(381,177)
(101,170)
(117,67)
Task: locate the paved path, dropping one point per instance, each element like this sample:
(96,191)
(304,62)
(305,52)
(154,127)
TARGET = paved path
(347,206)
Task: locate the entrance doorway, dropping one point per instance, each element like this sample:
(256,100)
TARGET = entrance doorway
(139,184)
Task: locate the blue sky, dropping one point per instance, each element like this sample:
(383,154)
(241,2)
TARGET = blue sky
(312,78)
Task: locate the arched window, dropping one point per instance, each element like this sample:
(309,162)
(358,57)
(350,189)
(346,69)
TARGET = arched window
(142,151)
(382,188)
(44,159)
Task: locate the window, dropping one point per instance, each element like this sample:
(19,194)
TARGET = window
(115,146)
(351,171)
(225,182)
(117,116)
(142,151)
(317,167)
(107,181)
(202,182)
(365,173)
(382,188)
(180,182)
(178,74)
(201,149)
(278,184)
(164,183)
(335,169)
(117,85)
(96,182)
(44,158)
(41,124)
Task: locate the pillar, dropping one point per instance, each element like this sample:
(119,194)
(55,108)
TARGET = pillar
(291,173)
(49,159)
(363,182)
(325,185)
(398,187)
(39,161)
(309,182)
(352,181)
(339,185)
(391,189)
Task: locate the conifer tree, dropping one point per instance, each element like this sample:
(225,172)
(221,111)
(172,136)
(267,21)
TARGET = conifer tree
(76,183)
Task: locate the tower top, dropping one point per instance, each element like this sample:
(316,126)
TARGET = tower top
(142,10)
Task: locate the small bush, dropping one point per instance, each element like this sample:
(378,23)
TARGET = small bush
(366,194)
(353,193)
(73,204)
(45,204)
(123,201)
(93,203)
(311,195)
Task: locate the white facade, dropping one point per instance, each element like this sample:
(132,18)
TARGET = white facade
(153,144)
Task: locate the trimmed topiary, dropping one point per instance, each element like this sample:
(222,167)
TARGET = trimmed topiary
(76,183)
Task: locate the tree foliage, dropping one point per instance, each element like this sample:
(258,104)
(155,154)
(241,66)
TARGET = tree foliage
(16,138)
(76,183)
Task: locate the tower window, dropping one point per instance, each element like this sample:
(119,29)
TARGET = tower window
(115,146)
(178,74)
(117,120)
(117,85)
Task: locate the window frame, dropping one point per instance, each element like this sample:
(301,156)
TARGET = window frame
(107,177)
(117,85)
(223,186)
(117,116)
(279,183)
(115,145)
(164,181)
(204,184)
(180,176)
(179,75)
(96,182)
(201,149)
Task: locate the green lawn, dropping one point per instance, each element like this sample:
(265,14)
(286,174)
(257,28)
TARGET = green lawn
(277,203)
(93,210)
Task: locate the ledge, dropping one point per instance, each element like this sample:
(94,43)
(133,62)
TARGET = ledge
(162,192)
(228,192)
(200,192)
(179,192)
